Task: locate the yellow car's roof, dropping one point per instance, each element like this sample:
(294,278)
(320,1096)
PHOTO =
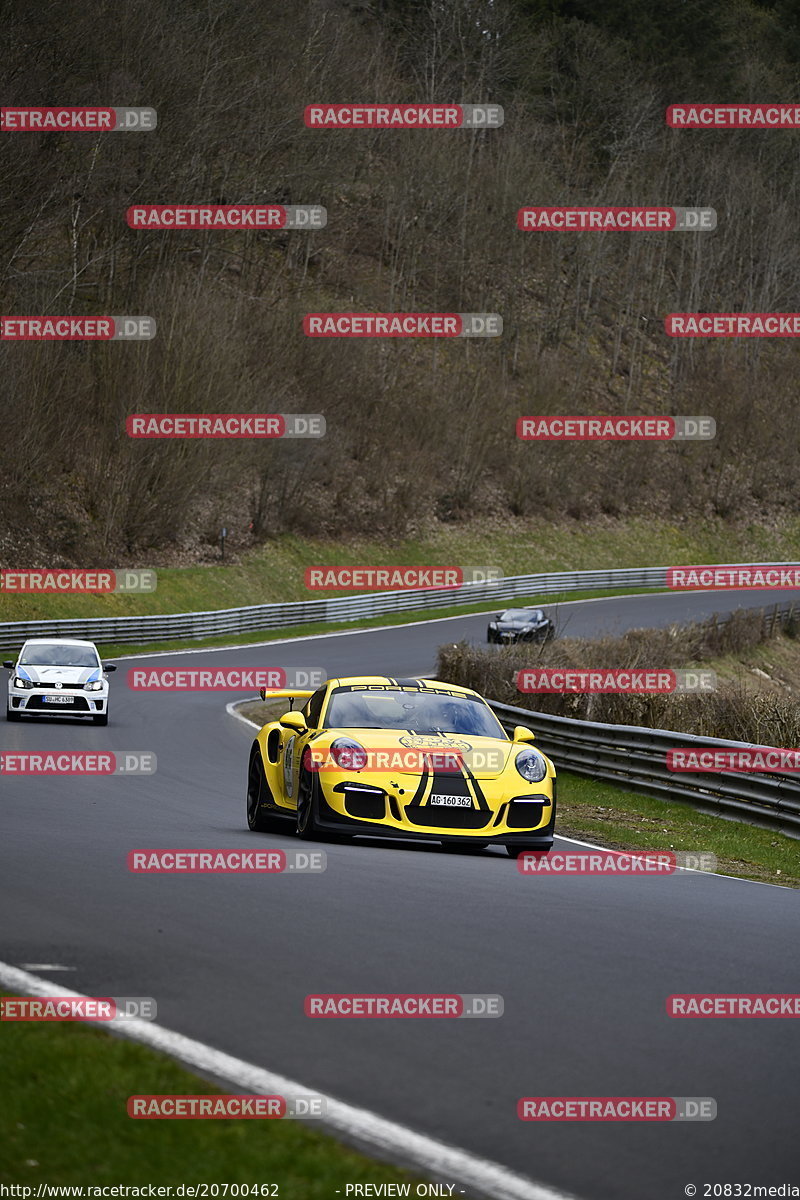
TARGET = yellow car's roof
(390,680)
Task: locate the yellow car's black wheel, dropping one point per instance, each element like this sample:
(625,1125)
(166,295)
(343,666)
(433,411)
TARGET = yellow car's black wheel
(258,793)
(307,803)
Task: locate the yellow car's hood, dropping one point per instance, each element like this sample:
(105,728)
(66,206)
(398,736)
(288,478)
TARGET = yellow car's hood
(403,752)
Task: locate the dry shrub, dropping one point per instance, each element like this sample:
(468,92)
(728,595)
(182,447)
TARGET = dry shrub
(732,711)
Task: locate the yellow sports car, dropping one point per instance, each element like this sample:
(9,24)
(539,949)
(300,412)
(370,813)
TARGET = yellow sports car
(409,758)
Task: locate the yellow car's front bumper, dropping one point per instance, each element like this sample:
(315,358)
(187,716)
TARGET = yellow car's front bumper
(353,806)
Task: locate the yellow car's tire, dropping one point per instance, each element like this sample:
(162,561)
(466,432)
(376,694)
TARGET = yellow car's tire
(259,819)
(307,804)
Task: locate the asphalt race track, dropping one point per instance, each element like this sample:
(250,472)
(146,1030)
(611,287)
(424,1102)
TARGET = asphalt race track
(584,964)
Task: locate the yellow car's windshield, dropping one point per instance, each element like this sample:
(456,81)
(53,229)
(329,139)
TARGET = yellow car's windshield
(420,710)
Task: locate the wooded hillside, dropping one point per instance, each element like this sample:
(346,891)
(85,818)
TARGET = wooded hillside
(418,221)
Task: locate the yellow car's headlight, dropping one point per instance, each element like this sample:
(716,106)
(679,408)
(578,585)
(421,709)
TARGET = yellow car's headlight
(348,754)
(531,765)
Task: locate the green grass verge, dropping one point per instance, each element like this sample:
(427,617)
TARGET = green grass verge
(274,572)
(322,627)
(64,1121)
(609,816)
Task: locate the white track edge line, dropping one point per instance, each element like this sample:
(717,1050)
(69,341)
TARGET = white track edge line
(413,1150)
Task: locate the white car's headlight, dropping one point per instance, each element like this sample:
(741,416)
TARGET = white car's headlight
(95,686)
(531,765)
(22,683)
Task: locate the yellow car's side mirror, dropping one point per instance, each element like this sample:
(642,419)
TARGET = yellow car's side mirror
(521,734)
(293,720)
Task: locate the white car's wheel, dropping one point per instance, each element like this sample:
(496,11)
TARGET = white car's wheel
(11,715)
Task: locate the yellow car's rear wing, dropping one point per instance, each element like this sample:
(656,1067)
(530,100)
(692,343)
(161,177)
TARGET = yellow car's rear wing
(289,693)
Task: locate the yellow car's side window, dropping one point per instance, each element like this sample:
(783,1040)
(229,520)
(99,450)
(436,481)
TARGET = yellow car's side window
(313,708)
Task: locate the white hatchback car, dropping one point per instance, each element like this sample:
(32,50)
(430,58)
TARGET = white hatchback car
(58,677)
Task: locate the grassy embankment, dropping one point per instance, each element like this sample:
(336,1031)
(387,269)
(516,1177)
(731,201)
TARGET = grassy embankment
(275,572)
(64,1120)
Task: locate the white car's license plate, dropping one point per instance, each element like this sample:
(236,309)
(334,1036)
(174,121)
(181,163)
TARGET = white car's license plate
(59,699)
(450,801)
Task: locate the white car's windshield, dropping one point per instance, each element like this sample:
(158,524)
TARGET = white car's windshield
(54,655)
(421,711)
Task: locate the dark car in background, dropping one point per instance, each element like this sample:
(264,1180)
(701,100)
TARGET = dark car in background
(521,625)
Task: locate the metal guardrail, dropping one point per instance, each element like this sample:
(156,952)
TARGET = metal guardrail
(632,755)
(174,626)
(637,758)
